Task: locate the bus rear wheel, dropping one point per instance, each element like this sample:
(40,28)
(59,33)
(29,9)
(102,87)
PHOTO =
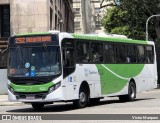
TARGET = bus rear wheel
(37,106)
(83,98)
(131,93)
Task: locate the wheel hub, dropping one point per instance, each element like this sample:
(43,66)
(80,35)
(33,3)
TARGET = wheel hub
(82,97)
(132,92)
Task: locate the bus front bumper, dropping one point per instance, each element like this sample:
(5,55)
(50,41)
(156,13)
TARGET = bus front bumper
(56,95)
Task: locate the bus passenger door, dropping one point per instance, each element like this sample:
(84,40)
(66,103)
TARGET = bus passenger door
(68,69)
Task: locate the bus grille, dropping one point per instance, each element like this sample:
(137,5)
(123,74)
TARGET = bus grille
(33,96)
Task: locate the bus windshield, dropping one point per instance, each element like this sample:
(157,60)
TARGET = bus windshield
(34,61)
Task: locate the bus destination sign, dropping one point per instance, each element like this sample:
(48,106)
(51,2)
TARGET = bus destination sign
(35,39)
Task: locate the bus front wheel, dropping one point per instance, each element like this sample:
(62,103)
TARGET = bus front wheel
(83,98)
(37,106)
(131,93)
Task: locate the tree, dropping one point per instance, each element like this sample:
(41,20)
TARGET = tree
(130,19)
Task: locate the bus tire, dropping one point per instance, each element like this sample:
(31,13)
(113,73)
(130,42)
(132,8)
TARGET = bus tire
(37,106)
(83,98)
(131,93)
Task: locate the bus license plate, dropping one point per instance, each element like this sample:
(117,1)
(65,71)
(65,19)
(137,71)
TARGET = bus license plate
(30,97)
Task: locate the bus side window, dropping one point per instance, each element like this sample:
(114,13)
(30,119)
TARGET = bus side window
(96,52)
(82,49)
(68,61)
(109,53)
(141,54)
(120,53)
(68,57)
(131,54)
(149,54)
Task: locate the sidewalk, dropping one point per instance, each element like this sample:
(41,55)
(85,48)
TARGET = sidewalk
(4,101)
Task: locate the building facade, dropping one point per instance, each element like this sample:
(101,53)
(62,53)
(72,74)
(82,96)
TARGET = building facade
(27,16)
(78,24)
(98,14)
(88,16)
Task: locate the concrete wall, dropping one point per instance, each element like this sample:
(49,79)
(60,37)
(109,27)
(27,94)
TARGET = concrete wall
(86,15)
(29,16)
(3,81)
(4,1)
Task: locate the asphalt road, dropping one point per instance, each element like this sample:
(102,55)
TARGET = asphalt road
(146,103)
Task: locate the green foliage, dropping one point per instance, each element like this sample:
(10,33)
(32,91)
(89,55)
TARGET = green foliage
(130,18)
(123,30)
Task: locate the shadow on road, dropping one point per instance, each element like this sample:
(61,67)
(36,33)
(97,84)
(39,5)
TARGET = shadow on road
(47,108)
(105,102)
(66,107)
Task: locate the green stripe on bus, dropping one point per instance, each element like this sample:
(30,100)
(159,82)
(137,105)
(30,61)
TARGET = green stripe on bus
(31,88)
(115,80)
(108,39)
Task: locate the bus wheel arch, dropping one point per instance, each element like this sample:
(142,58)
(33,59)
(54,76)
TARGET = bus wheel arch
(84,94)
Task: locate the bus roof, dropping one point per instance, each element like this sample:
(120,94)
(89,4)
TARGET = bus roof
(102,37)
(108,38)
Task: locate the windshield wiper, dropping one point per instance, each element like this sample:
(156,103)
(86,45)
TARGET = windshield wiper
(47,52)
(48,55)
(20,53)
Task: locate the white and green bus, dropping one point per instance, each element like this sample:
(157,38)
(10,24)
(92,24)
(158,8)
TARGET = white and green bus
(81,68)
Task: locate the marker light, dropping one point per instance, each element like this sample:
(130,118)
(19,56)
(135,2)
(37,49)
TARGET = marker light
(11,89)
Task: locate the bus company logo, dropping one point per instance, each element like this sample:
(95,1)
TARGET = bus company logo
(6,117)
(93,72)
(30,89)
(20,89)
(86,71)
(43,88)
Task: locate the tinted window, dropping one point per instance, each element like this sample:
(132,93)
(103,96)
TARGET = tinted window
(131,54)
(141,54)
(82,52)
(120,53)
(34,61)
(96,52)
(68,57)
(149,54)
(109,53)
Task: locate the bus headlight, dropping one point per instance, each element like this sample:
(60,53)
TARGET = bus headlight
(54,87)
(11,89)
